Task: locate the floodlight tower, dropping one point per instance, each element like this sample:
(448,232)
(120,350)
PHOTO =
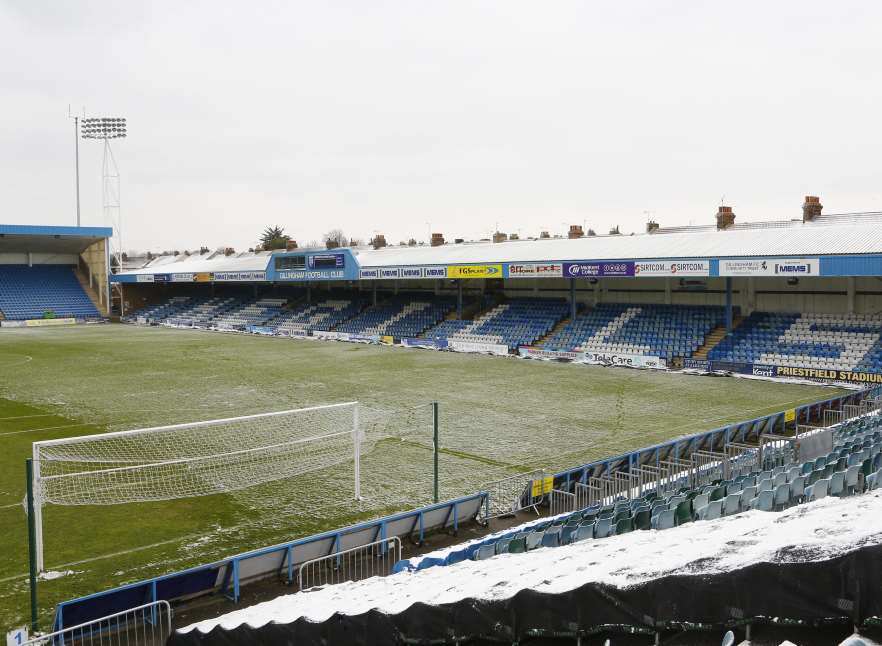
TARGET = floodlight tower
(108,128)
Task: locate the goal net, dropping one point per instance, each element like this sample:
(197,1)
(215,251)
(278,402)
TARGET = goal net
(197,459)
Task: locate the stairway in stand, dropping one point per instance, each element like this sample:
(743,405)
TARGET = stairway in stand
(713,339)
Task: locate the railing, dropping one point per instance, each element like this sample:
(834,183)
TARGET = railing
(562,502)
(147,625)
(354,564)
(514,493)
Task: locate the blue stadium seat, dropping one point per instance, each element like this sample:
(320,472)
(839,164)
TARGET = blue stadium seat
(43,290)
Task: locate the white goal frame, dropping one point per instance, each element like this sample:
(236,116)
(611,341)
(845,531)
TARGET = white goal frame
(357,438)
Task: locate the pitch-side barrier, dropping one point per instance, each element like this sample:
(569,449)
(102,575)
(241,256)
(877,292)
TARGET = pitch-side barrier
(283,560)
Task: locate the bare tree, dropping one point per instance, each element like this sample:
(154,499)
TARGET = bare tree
(335,238)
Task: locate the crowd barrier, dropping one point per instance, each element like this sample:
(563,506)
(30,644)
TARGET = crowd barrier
(228,575)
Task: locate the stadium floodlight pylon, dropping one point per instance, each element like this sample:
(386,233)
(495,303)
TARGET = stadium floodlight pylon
(194,459)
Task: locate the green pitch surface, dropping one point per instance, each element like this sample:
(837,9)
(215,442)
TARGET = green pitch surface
(498,417)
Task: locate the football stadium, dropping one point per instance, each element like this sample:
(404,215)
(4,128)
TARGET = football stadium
(440,323)
(451,443)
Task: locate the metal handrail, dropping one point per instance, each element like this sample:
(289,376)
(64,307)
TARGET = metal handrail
(392,544)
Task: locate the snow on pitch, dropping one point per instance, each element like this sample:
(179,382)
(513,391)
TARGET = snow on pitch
(813,532)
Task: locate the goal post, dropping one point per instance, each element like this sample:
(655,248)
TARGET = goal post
(193,459)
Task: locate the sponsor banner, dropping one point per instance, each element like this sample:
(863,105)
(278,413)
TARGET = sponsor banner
(529,352)
(388,340)
(407,273)
(697,364)
(771,267)
(431,344)
(828,375)
(12,324)
(144,278)
(627,360)
(790,416)
(762,371)
(49,322)
(161,278)
(344,336)
(598,269)
(260,329)
(183,278)
(536,270)
(434,272)
(202,277)
(603,358)
(474,271)
(672,268)
(727,366)
(470,346)
(239,276)
(142,320)
(301,274)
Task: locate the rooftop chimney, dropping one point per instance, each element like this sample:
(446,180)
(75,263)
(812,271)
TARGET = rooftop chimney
(379,241)
(651,226)
(544,235)
(725,218)
(575,231)
(437,239)
(499,236)
(811,209)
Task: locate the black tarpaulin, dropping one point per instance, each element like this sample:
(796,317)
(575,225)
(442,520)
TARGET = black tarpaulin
(846,588)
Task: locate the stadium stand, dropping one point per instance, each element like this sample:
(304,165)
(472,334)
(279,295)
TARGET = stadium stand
(401,316)
(852,467)
(665,331)
(160,311)
(255,312)
(33,292)
(827,341)
(518,322)
(326,315)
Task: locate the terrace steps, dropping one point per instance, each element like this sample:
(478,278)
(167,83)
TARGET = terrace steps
(553,331)
(714,338)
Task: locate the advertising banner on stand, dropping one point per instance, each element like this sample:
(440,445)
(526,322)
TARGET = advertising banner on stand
(598,269)
(771,267)
(472,346)
(430,344)
(672,268)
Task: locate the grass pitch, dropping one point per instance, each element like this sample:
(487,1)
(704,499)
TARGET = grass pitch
(498,416)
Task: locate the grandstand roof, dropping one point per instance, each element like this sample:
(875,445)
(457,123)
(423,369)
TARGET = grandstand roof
(830,235)
(18,238)
(206,263)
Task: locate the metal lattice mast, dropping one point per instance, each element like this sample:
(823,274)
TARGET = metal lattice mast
(106,129)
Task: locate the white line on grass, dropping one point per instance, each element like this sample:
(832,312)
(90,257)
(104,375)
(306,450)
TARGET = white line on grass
(3,419)
(47,428)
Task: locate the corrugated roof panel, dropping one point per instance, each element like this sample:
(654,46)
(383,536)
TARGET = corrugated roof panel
(809,239)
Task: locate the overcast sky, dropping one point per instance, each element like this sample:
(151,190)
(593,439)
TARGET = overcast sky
(403,116)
